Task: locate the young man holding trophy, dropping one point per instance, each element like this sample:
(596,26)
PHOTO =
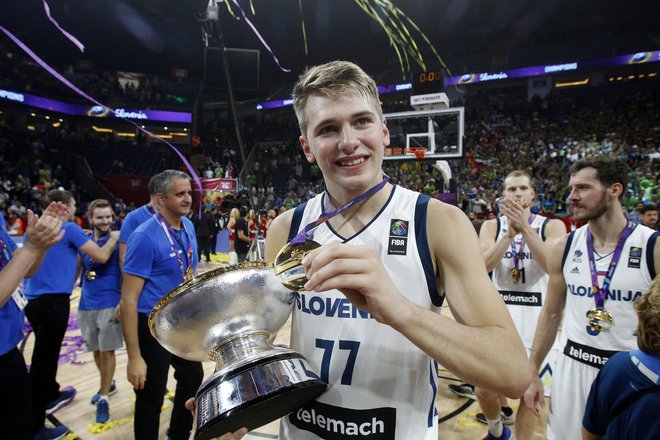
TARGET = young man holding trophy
(379,261)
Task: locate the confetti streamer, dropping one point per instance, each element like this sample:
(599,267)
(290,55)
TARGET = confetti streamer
(263,42)
(73,39)
(302,25)
(73,87)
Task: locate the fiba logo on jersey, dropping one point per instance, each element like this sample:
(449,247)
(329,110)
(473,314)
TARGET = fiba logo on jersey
(398,240)
(635,257)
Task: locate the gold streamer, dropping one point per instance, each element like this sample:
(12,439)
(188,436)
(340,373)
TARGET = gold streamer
(302,23)
(399,29)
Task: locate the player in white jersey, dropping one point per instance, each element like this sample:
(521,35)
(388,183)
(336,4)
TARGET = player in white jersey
(514,247)
(598,270)
(389,282)
(353,350)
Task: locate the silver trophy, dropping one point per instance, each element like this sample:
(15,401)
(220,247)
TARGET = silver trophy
(231,316)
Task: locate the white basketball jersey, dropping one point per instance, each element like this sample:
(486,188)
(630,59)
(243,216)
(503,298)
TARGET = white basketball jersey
(632,277)
(526,297)
(381,385)
(584,350)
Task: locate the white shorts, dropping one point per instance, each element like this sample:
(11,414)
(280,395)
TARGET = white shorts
(571,383)
(100,330)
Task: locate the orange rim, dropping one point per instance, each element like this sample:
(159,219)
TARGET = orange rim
(419,152)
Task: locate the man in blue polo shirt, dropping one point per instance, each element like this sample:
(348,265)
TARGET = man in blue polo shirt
(98,309)
(16,403)
(48,293)
(135,218)
(160,255)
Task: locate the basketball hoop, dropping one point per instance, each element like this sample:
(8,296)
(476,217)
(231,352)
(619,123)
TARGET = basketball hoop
(418,152)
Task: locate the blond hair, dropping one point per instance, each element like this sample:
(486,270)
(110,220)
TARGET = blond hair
(648,327)
(517,173)
(333,78)
(99,203)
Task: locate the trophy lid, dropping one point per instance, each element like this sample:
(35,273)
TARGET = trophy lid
(220,305)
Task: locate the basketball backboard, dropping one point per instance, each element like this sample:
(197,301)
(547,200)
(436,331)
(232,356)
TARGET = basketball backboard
(439,131)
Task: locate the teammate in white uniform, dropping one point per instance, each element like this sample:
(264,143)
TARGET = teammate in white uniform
(514,247)
(596,189)
(368,320)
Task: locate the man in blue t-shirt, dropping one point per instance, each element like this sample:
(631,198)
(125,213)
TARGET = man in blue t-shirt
(98,310)
(135,218)
(16,403)
(625,396)
(160,255)
(48,293)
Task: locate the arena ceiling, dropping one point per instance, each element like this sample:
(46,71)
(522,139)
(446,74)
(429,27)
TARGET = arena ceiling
(468,35)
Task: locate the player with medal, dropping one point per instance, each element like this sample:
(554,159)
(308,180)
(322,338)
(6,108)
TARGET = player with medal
(161,254)
(514,246)
(596,274)
(386,258)
(98,310)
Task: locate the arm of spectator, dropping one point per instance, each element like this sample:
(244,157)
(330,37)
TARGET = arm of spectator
(41,234)
(101,254)
(242,236)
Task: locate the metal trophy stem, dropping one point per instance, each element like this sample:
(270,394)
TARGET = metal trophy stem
(230,315)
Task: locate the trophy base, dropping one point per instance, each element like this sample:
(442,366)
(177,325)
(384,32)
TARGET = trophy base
(255,394)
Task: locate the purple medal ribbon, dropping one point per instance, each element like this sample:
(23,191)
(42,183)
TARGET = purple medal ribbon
(601,292)
(6,256)
(514,251)
(171,233)
(308,231)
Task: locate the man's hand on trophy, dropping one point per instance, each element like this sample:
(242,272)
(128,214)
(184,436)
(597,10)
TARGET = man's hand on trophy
(237,435)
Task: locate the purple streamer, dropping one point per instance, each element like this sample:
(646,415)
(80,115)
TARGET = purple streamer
(73,39)
(67,83)
(254,29)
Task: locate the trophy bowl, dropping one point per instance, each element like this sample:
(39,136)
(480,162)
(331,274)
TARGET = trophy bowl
(231,315)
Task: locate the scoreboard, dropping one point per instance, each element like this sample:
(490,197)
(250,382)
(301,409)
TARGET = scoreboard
(428,82)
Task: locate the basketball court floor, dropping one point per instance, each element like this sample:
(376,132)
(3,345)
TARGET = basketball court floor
(456,414)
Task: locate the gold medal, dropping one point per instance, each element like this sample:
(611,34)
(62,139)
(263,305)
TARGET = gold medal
(288,264)
(90,275)
(515,275)
(600,319)
(188,275)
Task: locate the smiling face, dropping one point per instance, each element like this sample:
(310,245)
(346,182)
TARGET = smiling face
(347,139)
(102,219)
